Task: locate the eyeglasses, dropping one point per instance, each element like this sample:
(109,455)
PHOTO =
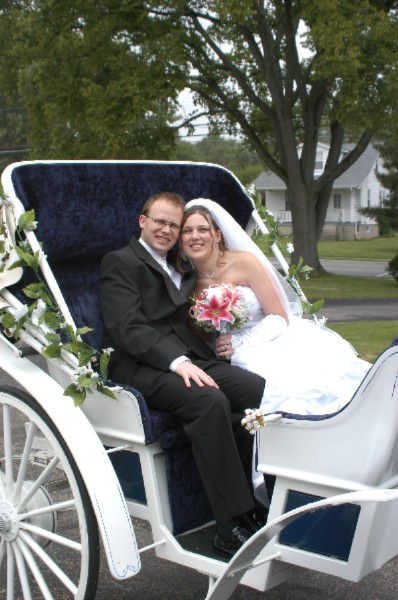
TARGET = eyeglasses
(162,223)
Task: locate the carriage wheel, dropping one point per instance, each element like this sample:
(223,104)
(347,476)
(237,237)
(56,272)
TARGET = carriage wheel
(48,531)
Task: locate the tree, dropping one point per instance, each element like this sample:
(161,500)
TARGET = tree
(101,80)
(247,73)
(13,132)
(90,86)
(230,153)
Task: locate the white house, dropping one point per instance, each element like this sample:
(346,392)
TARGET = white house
(357,188)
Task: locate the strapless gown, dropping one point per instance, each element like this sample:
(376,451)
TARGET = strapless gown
(309,369)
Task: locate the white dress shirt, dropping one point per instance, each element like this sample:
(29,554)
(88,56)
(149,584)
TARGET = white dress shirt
(176,278)
(161,260)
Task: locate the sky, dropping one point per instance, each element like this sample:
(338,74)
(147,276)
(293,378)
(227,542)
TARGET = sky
(187,105)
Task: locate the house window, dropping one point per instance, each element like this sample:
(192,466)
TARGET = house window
(263,197)
(337,201)
(319,161)
(368,198)
(287,202)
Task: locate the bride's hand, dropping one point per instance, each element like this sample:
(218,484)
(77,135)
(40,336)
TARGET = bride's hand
(223,345)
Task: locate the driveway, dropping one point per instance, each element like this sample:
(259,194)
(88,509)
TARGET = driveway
(362,268)
(360,310)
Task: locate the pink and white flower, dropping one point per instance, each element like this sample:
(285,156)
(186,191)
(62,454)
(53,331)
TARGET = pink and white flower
(220,308)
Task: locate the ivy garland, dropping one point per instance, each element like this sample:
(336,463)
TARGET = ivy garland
(295,272)
(44,314)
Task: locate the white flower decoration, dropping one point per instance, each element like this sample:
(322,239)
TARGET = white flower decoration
(39,311)
(322,321)
(21,312)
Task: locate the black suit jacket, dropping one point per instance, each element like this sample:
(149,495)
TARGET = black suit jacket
(145,316)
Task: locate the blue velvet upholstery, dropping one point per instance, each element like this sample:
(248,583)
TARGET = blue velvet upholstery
(86,209)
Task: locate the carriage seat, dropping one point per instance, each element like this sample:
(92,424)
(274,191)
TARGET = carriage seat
(86,209)
(353,449)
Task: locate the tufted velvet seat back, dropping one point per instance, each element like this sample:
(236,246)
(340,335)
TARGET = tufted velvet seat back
(86,209)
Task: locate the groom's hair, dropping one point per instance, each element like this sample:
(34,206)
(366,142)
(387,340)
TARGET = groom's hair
(172,197)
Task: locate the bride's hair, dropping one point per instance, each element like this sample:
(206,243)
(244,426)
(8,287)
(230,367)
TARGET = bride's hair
(206,214)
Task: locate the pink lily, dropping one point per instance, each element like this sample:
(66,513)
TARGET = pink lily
(216,311)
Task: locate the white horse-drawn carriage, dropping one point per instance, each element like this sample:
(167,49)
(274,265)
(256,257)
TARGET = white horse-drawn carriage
(70,475)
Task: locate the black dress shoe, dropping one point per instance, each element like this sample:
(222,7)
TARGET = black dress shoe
(231,543)
(254,520)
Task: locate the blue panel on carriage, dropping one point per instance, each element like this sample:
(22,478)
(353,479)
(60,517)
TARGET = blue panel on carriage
(127,467)
(329,532)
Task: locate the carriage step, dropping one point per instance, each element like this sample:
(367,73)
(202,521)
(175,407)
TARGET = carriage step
(200,541)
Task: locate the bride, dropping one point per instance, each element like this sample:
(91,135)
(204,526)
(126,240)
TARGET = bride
(308,368)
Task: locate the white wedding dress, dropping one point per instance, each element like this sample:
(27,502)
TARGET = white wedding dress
(309,369)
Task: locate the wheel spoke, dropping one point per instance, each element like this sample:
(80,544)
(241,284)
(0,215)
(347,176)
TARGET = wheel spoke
(49,562)
(23,576)
(39,482)
(8,450)
(2,486)
(47,509)
(29,558)
(24,461)
(54,537)
(10,570)
(53,551)
(3,548)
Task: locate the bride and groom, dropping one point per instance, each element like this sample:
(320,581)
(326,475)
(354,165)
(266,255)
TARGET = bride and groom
(144,304)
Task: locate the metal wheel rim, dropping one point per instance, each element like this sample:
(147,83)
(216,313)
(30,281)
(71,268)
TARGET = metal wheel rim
(22,556)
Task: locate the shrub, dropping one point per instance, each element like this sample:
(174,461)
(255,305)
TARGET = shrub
(392,267)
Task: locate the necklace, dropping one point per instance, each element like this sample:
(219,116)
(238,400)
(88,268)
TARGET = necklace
(208,276)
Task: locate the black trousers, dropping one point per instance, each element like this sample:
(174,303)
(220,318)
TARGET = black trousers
(211,418)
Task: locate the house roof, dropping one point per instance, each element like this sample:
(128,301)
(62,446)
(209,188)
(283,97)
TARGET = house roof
(352,178)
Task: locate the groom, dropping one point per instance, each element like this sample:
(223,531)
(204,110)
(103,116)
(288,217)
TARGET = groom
(156,351)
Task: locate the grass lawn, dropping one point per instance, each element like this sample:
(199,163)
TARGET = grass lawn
(376,249)
(369,338)
(332,287)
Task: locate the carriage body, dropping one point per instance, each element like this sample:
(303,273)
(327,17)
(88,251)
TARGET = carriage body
(129,461)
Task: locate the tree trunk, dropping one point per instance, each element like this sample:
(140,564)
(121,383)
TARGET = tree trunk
(304,227)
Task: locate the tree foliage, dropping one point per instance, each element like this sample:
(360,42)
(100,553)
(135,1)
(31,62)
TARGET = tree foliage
(101,80)
(13,132)
(230,153)
(89,84)
(248,74)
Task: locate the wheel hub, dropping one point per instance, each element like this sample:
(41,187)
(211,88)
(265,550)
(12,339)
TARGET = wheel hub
(9,518)
(9,524)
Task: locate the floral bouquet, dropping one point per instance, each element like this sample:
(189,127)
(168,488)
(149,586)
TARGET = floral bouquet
(220,308)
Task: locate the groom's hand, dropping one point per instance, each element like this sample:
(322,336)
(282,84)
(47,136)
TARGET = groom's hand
(223,345)
(188,371)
